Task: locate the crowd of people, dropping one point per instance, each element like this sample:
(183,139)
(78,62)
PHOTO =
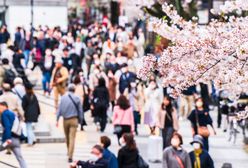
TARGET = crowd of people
(94,69)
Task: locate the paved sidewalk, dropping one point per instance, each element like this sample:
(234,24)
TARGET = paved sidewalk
(54,155)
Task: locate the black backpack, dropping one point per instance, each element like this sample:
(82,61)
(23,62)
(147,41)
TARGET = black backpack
(9,76)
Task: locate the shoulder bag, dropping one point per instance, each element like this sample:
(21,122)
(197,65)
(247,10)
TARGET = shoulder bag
(201,130)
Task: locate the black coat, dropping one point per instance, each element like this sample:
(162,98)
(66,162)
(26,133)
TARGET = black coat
(127,158)
(100,101)
(205,159)
(31,108)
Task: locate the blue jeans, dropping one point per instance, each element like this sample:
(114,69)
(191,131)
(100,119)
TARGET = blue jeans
(45,81)
(26,54)
(30,133)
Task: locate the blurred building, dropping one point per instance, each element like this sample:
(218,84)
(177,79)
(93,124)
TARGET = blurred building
(45,12)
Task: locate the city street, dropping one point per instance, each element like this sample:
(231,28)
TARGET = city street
(51,155)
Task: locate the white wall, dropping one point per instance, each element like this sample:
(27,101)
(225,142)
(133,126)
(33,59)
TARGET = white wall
(43,15)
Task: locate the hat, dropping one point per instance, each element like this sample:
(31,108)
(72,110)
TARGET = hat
(197,139)
(18,80)
(71,87)
(58,60)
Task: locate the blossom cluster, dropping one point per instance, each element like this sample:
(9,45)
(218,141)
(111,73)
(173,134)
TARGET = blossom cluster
(216,52)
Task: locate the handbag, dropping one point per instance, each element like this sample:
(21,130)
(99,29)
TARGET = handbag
(118,127)
(141,162)
(16,127)
(201,130)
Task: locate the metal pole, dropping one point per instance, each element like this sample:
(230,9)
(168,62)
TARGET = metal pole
(32,22)
(210,6)
(4,11)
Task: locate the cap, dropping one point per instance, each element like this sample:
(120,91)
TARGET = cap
(58,60)
(197,139)
(18,80)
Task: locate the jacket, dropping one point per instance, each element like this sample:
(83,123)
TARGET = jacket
(123,117)
(7,120)
(31,108)
(170,161)
(110,157)
(161,119)
(61,80)
(13,103)
(100,163)
(125,80)
(205,159)
(127,158)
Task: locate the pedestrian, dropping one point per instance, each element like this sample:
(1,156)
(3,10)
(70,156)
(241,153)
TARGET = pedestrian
(100,104)
(12,101)
(70,108)
(125,78)
(31,109)
(133,96)
(107,154)
(123,119)
(59,79)
(96,159)
(128,154)
(199,157)
(47,68)
(175,156)
(11,140)
(167,121)
(19,88)
(7,75)
(153,100)
(200,119)
(187,101)
(112,87)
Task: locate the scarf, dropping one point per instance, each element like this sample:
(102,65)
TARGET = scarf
(197,163)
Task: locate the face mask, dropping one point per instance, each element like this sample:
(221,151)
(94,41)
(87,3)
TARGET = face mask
(133,85)
(93,158)
(196,146)
(199,104)
(122,142)
(174,142)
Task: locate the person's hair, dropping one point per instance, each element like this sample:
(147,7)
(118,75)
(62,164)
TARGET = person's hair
(179,137)
(203,103)
(77,80)
(29,91)
(129,140)
(169,107)
(4,104)
(5,61)
(99,148)
(105,141)
(123,102)
(101,82)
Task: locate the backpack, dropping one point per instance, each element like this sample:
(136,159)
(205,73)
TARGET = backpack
(9,76)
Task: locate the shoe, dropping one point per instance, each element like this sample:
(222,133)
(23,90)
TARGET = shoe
(70,160)
(224,130)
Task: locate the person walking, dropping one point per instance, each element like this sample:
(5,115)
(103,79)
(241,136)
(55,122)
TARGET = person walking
(200,119)
(175,156)
(123,119)
(10,140)
(19,88)
(59,79)
(107,154)
(31,109)
(153,100)
(70,108)
(167,121)
(199,157)
(100,104)
(128,154)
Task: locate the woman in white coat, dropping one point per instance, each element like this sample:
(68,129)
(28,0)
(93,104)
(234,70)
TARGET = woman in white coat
(153,100)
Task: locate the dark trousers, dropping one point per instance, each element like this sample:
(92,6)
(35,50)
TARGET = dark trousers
(205,142)
(125,129)
(167,134)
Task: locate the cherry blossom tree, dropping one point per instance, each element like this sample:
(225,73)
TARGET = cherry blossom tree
(215,52)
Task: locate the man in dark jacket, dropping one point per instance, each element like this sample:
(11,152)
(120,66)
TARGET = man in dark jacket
(126,78)
(9,139)
(96,160)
